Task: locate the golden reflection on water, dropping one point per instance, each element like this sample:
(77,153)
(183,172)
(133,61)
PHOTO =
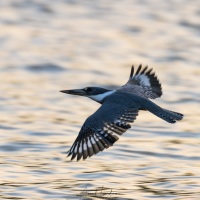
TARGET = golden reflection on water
(46,48)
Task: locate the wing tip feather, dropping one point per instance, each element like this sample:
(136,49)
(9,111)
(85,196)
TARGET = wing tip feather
(132,71)
(138,69)
(147,79)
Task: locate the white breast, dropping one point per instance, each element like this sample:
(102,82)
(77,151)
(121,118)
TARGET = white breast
(100,97)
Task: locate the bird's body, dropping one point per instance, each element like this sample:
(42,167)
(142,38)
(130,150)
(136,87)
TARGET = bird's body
(119,108)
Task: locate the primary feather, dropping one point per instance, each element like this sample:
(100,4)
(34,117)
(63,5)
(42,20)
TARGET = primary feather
(143,83)
(101,130)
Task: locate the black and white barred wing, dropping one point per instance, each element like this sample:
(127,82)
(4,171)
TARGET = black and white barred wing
(96,135)
(143,83)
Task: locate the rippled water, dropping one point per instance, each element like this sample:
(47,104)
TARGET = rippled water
(47,46)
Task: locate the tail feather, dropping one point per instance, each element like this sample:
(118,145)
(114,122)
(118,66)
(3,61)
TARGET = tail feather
(169,116)
(177,116)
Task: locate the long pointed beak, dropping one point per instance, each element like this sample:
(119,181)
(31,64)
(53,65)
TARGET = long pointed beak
(74,92)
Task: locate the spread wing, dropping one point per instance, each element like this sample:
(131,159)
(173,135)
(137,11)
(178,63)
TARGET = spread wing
(143,83)
(102,129)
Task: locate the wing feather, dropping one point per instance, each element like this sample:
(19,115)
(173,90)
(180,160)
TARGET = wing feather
(99,133)
(138,69)
(143,83)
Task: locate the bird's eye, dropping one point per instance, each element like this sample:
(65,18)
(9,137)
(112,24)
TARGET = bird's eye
(88,89)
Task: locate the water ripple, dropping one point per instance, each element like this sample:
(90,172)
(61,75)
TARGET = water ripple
(47,47)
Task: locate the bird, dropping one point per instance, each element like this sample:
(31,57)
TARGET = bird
(119,108)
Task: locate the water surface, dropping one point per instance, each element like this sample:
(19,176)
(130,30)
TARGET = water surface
(48,46)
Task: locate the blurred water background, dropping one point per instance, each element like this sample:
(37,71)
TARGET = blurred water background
(47,46)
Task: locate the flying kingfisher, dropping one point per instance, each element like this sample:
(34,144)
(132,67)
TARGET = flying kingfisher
(118,109)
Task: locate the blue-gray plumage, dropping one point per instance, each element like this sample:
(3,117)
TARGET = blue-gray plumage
(119,108)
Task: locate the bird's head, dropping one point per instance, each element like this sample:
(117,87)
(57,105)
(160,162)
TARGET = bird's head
(96,93)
